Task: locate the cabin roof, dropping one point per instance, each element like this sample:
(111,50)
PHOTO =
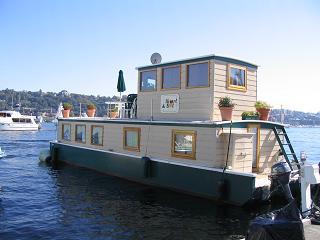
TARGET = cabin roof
(210,124)
(201,58)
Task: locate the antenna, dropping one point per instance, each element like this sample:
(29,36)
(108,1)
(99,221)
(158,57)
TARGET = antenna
(155,58)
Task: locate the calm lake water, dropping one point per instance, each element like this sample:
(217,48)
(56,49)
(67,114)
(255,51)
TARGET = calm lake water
(38,202)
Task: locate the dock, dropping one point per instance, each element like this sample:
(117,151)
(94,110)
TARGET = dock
(311,231)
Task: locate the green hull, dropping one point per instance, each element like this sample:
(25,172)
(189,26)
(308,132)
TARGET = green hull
(238,190)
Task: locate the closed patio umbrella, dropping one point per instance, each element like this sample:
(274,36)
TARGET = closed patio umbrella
(121,86)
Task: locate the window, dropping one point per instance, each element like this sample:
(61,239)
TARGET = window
(80,133)
(198,75)
(97,135)
(66,132)
(131,138)
(183,144)
(171,77)
(148,81)
(237,78)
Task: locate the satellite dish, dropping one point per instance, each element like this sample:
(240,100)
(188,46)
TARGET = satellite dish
(155,58)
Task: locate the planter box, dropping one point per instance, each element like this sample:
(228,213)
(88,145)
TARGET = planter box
(250,118)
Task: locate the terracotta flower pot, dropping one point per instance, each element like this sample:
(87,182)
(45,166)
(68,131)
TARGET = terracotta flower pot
(113,114)
(91,112)
(66,113)
(226,113)
(264,113)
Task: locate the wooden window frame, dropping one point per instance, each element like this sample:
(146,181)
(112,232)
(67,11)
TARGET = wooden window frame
(162,73)
(96,144)
(257,126)
(236,87)
(193,133)
(140,75)
(136,129)
(75,131)
(187,74)
(62,131)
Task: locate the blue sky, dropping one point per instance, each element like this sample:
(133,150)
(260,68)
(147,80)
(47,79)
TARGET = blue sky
(80,45)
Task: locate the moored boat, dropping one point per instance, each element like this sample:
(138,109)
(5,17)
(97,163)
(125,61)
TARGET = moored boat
(14,121)
(173,136)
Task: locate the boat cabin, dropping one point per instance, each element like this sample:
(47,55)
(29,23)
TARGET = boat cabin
(190,89)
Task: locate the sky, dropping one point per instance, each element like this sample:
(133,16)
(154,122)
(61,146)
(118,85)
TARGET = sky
(80,45)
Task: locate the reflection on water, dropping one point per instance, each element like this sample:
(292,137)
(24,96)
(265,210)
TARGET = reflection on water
(38,202)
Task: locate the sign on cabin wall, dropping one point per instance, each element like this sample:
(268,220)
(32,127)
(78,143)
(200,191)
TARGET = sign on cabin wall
(170,103)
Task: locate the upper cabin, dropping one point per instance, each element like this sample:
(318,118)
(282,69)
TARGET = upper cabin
(190,89)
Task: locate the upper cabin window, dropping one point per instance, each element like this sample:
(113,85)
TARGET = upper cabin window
(171,77)
(198,75)
(148,81)
(237,77)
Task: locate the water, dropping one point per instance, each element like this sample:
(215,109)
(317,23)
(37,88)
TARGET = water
(38,202)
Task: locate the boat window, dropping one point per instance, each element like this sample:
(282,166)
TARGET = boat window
(80,133)
(148,81)
(97,135)
(3,115)
(8,115)
(131,138)
(183,144)
(28,120)
(66,132)
(15,120)
(237,78)
(171,77)
(23,120)
(198,75)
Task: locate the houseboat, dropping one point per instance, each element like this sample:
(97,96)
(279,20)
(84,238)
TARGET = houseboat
(174,137)
(14,121)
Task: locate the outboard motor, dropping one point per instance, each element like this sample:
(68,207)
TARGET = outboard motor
(280,174)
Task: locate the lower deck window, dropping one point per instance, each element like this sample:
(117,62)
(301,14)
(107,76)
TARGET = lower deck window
(131,138)
(97,135)
(66,132)
(80,133)
(183,144)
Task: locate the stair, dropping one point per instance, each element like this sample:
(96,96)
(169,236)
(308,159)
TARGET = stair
(286,148)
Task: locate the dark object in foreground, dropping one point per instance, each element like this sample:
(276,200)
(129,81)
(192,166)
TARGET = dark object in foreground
(282,224)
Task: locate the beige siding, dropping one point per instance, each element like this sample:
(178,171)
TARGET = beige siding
(195,103)
(244,100)
(200,103)
(155,142)
(211,145)
(269,149)
(240,151)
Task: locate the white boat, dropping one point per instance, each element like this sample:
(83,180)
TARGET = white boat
(14,121)
(2,153)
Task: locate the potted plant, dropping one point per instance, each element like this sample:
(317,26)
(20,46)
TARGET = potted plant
(114,113)
(91,110)
(226,107)
(66,109)
(263,109)
(250,115)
